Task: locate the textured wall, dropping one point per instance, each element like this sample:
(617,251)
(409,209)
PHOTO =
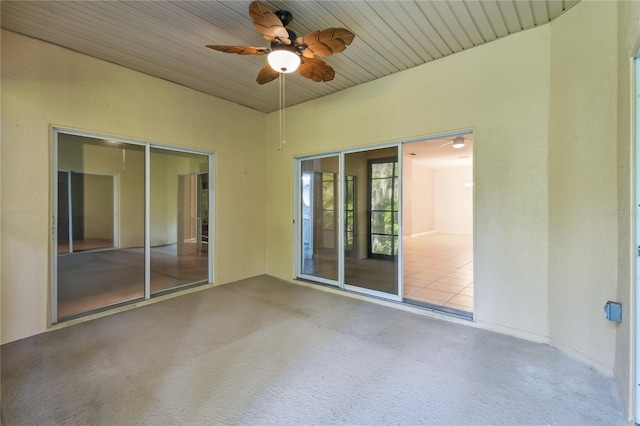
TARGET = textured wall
(44,85)
(582,182)
(628,47)
(505,87)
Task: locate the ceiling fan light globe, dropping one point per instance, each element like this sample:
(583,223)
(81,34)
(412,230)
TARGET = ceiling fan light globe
(458,142)
(283,61)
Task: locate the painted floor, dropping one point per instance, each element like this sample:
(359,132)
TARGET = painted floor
(266,352)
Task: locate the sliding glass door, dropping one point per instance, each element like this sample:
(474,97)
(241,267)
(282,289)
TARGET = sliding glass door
(319,221)
(179,216)
(78,231)
(132,221)
(348,222)
(383,208)
(92,273)
(372,266)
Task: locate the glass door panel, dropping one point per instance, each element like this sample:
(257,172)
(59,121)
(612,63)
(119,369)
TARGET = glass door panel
(349,215)
(179,219)
(100,232)
(383,207)
(372,264)
(319,224)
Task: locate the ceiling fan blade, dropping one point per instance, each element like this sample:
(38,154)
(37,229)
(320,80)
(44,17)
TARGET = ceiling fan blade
(267,74)
(315,69)
(307,53)
(445,144)
(326,42)
(269,25)
(240,50)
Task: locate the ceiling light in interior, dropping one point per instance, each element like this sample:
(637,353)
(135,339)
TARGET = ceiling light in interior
(283,60)
(458,142)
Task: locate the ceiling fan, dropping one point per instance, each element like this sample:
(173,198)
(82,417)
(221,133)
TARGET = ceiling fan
(288,52)
(457,142)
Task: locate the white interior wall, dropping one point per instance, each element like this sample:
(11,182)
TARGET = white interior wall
(421,198)
(407,197)
(453,201)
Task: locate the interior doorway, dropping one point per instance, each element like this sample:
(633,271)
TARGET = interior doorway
(87,213)
(438,223)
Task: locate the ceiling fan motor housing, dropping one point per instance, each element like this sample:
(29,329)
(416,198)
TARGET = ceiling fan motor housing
(285,16)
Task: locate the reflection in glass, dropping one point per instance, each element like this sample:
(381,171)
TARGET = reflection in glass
(100,226)
(349,215)
(384,207)
(373,262)
(179,218)
(319,218)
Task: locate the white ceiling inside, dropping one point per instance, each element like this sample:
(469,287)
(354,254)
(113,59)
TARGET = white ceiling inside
(439,153)
(167,39)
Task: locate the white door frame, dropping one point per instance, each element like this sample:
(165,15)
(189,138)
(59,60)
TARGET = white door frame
(636,290)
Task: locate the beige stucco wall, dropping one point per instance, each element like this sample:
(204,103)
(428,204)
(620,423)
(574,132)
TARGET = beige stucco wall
(628,48)
(582,182)
(45,85)
(505,87)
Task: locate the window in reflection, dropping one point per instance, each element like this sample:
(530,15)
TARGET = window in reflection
(373,263)
(319,224)
(349,215)
(383,208)
(369,201)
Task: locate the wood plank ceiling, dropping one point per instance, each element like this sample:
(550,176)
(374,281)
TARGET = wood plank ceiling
(167,39)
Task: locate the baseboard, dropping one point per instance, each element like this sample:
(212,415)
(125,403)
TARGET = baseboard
(514,332)
(584,358)
(419,234)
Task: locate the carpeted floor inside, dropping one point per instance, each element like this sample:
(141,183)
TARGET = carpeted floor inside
(263,351)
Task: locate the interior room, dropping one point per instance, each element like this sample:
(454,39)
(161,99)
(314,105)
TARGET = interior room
(543,94)
(438,223)
(100,197)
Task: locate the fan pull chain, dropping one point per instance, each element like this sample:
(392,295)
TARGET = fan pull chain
(281,112)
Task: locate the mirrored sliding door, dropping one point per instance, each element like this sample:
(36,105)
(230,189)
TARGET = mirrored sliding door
(131,220)
(100,232)
(179,219)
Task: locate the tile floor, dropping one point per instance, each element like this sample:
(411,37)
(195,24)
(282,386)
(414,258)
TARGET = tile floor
(438,269)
